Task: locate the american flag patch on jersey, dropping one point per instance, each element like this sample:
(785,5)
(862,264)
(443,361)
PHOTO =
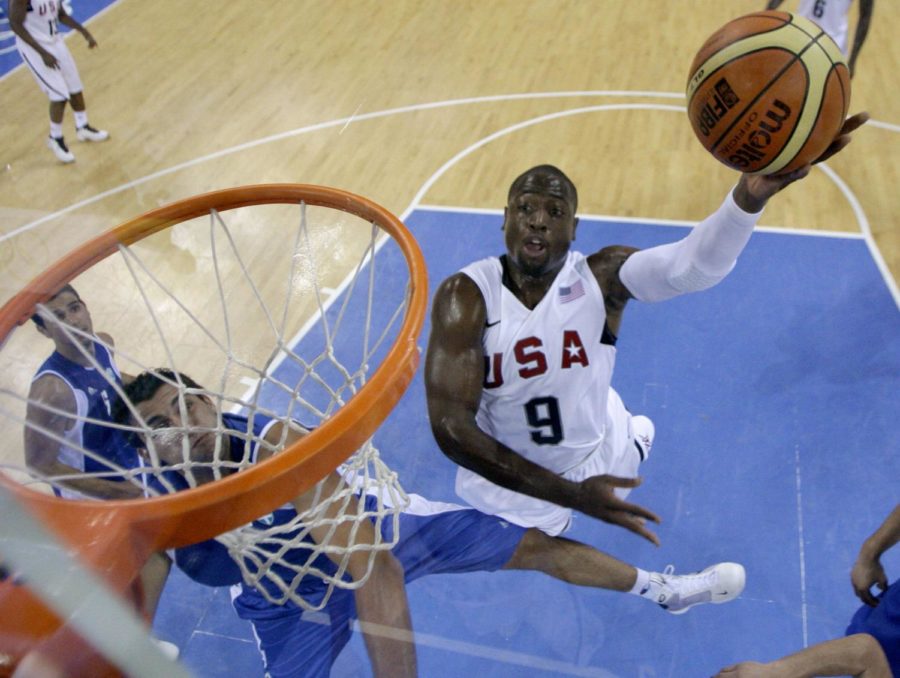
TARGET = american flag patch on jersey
(571,293)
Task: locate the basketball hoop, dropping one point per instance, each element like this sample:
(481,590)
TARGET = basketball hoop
(350,402)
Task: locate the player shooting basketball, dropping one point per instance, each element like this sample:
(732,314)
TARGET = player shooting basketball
(522,347)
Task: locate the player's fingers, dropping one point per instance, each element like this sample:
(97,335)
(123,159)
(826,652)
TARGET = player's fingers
(854,122)
(636,510)
(619,481)
(635,525)
(866,596)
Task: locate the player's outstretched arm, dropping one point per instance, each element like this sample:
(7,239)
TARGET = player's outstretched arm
(709,252)
(454,376)
(867,570)
(857,655)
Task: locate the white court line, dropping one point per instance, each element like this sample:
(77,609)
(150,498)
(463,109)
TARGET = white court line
(504,656)
(862,220)
(804,612)
(317,127)
(343,122)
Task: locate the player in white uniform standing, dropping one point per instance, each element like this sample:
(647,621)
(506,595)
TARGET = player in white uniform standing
(36,25)
(833,16)
(521,352)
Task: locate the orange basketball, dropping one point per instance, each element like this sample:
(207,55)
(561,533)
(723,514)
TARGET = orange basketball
(768,92)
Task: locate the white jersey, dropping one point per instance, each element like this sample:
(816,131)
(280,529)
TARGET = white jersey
(42,20)
(547,391)
(548,369)
(831,15)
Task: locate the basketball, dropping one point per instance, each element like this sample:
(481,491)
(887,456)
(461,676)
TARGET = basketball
(768,92)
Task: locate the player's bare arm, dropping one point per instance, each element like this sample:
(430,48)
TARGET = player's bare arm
(381,602)
(867,570)
(858,655)
(68,20)
(454,376)
(605,265)
(51,407)
(18,9)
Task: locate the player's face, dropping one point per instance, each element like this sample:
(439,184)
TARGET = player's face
(174,419)
(539,224)
(70,311)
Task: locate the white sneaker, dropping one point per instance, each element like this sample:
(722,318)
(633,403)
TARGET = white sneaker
(88,133)
(677,593)
(60,150)
(644,432)
(169,649)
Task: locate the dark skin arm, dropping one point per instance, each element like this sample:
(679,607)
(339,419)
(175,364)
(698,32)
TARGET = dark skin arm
(454,373)
(17,12)
(67,20)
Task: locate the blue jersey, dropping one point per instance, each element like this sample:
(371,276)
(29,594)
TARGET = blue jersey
(94,395)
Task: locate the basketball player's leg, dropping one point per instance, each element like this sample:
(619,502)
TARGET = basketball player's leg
(576,563)
(52,82)
(297,642)
(75,89)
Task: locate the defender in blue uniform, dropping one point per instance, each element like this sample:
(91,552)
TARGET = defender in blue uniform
(433,538)
(74,385)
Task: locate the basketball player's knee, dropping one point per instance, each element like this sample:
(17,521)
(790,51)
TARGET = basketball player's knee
(531,552)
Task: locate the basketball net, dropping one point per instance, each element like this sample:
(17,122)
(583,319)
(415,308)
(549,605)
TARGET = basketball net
(329,350)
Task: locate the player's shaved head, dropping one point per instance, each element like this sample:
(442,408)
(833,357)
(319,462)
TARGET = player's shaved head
(545,179)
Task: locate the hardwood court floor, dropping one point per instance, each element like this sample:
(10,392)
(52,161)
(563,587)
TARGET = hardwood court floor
(442,103)
(376,97)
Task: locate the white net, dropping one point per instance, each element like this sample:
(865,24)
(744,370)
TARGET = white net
(243,334)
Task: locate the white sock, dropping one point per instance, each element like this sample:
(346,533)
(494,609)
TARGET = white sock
(642,583)
(80,118)
(56,130)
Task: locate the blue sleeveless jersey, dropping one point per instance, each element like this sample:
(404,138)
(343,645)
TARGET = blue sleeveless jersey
(94,386)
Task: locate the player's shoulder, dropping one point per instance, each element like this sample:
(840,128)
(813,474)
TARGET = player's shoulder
(458,285)
(609,259)
(50,388)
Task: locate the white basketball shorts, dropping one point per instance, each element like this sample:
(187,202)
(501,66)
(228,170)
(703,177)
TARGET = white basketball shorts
(56,83)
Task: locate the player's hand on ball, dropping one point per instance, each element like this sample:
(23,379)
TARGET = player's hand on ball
(597,499)
(754,190)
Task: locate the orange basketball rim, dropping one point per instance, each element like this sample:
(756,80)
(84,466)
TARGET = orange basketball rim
(116,537)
